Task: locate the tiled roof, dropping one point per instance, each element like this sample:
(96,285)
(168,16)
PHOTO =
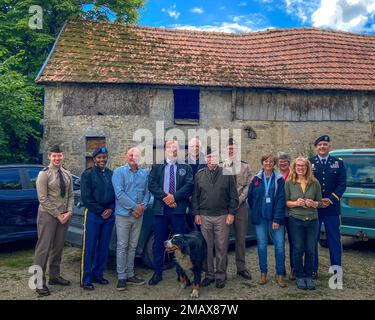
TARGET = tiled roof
(301,58)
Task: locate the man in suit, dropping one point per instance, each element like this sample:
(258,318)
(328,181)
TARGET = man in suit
(171,183)
(331,174)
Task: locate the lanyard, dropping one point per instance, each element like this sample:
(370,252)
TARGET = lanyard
(267,184)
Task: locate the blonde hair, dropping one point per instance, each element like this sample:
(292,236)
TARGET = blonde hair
(309,176)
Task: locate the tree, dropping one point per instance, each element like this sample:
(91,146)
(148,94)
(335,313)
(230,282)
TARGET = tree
(20,113)
(23,51)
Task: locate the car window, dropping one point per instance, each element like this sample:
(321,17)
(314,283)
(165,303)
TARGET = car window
(10,179)
(33,174)
(360,171)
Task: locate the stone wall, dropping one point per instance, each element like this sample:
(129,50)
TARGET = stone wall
(63,125)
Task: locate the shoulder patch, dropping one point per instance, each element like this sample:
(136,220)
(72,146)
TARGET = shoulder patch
(244,162)
(45,169)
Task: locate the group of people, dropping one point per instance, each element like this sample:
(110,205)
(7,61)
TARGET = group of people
(198,193)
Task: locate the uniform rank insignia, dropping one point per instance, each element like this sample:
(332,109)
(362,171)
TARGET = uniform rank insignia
(335,165)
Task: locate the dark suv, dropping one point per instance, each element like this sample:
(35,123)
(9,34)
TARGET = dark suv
(19,201)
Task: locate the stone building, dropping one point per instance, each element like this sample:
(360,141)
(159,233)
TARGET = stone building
(282,88)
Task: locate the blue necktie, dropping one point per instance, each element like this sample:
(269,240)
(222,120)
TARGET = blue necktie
(171,179)
(324,162)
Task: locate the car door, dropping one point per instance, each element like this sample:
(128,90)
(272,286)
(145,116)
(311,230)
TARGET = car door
(12,201)
(31,204)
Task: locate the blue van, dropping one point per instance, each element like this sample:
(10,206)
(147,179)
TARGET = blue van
(358,201)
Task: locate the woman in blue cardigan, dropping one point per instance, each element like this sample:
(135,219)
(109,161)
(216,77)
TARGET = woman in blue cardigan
(266,199)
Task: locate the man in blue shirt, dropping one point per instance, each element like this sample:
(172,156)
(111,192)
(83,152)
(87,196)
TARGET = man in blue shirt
(132,197)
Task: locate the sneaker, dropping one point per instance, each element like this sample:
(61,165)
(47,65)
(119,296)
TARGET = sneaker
(121,285)
(301,284)
(135,280)
(310,284)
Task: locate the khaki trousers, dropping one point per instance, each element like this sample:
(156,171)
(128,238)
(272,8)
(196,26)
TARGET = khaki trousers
(216,233)
(51,239)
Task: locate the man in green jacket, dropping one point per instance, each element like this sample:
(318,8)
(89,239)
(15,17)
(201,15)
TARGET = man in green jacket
(214,203)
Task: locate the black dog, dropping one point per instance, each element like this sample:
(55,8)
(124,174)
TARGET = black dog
(190,252)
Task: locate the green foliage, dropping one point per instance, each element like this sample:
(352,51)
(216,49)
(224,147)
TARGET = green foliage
(20,112)
(22,53)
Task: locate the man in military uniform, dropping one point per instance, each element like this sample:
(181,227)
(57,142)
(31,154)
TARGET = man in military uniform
(331,174)
(56,199)
(98,197)
(241,173)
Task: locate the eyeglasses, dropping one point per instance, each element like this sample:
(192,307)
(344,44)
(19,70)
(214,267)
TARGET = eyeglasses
(301,165)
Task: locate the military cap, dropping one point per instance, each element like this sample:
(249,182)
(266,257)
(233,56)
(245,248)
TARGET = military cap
(99,150)
(322,138)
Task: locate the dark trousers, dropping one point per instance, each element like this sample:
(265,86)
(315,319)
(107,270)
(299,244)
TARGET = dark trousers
(96,238)
(332,227)
(304,240)
(290,241)
(240,229)
(177,222)
(50,245)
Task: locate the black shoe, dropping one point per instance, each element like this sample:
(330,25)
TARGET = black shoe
(245,274)
(315,275)
(43,292)
(88,286)
(59,281)
(220,284)
(101,281)
(156,278)
(121,285)
(206,282)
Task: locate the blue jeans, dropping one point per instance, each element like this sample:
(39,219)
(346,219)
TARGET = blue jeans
(304,239)
(262,230)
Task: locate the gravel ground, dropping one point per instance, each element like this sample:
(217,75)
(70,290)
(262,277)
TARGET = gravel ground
(358,261)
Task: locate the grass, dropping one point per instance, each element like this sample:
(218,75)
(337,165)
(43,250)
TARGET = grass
(17,260)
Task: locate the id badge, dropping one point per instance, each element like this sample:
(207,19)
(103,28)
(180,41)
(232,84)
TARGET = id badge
(268,200)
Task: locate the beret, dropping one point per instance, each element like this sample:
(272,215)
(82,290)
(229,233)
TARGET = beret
(322,138)
(99,150)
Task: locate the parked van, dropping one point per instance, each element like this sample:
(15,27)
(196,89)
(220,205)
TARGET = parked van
(358,201)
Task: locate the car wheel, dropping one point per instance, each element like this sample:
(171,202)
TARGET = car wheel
(148,256)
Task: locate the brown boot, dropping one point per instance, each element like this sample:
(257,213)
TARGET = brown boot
(263,279)
(280,281)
